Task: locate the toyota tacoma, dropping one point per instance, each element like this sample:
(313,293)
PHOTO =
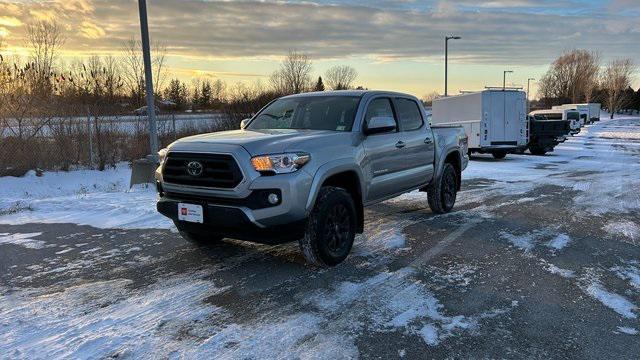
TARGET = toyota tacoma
(305,166)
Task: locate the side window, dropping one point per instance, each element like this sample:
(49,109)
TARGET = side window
(409,114)
(380,107)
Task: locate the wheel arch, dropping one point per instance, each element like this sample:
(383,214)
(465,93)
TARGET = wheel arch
(346,177)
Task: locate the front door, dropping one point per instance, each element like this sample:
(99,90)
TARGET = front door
(383,156)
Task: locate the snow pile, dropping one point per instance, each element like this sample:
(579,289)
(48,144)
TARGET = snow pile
(630,273)
(627,330)
(627,229)
(592,286)
(87,197)
(393,301)
(25,240)
(559,242)
(104,319)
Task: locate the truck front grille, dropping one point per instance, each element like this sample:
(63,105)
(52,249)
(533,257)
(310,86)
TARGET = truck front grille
(205,170)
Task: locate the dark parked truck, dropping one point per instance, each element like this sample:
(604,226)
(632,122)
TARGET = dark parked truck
(545,134)
(305,166)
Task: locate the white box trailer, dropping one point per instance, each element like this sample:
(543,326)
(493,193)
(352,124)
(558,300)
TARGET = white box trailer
(583,109)
(590,110)
(495,120)
(594,111)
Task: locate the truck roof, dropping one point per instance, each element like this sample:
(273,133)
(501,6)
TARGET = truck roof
(358,93)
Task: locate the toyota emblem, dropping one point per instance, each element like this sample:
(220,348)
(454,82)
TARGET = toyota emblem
(194,168)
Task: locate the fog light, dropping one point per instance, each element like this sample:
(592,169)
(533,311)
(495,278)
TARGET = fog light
(273,199)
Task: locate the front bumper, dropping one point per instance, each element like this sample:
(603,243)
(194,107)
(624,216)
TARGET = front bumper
(229,221)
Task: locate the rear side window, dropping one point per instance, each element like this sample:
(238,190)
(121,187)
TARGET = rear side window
(380,107)
(408,114)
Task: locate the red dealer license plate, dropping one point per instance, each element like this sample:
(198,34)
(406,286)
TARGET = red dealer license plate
(190,212)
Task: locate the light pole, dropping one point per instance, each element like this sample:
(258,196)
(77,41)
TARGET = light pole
(146,55)
(528,87)
(446,60)
(504,79)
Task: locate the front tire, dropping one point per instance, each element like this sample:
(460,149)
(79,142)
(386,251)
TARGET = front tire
(331,228)
(442,192)
(499,154)
(197,238)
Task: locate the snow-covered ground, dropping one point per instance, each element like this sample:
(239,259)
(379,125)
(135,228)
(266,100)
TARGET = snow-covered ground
(393,289)
(86,197)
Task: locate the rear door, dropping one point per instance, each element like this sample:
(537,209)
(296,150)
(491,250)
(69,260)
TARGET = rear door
(515,123)
(417,137)
(383,154)
(496,116)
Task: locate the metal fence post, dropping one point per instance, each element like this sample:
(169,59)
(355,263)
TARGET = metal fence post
(90,139)
(173,119)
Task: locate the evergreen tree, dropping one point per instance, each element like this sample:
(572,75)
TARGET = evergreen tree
(319,85)
(177,92)
(205,95)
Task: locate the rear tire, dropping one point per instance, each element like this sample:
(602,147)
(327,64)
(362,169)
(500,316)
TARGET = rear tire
(331,228)
(499,154)
(537,151)
(197,238)
(442,192)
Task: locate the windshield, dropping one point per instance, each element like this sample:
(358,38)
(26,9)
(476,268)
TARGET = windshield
(573,115)
(308,113)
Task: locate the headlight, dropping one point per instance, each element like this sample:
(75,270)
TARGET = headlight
(162,154)
(280,163)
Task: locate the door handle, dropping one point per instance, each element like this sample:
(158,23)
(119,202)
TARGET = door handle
(400,144)
(428,141)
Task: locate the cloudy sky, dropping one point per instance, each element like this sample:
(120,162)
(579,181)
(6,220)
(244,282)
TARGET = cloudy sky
(394,45)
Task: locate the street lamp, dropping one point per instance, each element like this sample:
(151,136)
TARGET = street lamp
(446,59)
(504,79)
(528,87)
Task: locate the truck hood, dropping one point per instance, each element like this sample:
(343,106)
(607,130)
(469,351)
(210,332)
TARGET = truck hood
(257,142)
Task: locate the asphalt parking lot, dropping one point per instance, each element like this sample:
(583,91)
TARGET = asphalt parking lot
(540,259)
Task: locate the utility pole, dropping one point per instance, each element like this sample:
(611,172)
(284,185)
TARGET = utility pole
(528,88)
(146,55)
(504,79)
(446,61)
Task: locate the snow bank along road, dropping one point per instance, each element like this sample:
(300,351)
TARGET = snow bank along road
(540,259)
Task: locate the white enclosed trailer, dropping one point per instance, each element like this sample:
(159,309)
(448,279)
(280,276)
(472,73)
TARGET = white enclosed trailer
(594,111)
(495,120)
(583,109)
(590,110)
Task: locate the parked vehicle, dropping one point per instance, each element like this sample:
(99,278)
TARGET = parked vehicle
(583,110)
(545,134)
(494,120)
(142,111)
(304,168)
(561,114)
(594,111)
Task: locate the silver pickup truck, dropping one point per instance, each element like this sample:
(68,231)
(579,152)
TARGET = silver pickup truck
(305,166)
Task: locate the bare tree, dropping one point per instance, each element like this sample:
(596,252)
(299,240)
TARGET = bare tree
(615,79)
(44,39)
(572,77)
(427,99)
(133,68)
(294,74)
(340,77)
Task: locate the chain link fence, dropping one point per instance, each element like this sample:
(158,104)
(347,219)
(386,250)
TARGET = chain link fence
(66,143)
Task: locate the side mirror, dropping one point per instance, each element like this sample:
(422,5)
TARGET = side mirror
(243,123)
(380,124)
